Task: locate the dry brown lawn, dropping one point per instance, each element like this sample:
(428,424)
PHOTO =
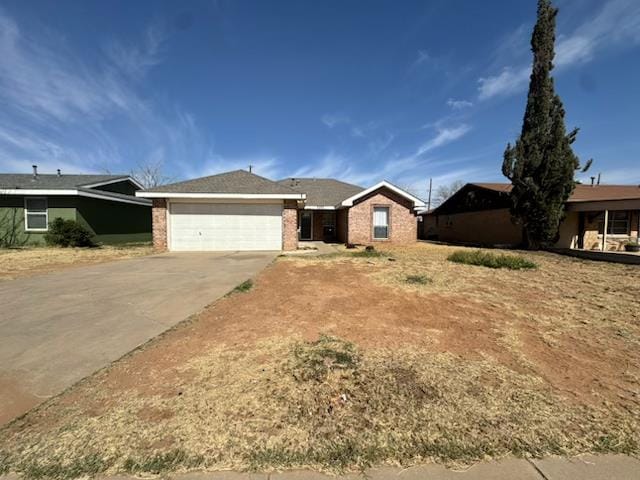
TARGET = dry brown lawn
(21,262)
(338,363)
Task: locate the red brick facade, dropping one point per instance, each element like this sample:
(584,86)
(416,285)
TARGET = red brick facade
(352,225)
(159,218)
(402,220)
(290,226)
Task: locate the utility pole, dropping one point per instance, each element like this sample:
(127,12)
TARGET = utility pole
(429,201)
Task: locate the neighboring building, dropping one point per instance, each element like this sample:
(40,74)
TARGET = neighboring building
(242,211)
(105,204)
(598,217)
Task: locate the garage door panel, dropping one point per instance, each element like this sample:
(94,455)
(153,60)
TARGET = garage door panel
(202,226)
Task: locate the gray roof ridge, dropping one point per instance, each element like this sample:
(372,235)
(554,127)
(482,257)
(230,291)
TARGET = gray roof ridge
(259,179)
(111,178)
(288,179)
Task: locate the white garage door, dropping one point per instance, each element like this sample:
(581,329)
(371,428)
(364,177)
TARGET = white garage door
(218,226)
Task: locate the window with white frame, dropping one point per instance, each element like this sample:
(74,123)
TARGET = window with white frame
(380,223)
(35,214)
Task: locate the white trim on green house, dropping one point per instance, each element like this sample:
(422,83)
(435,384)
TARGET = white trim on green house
(72,192)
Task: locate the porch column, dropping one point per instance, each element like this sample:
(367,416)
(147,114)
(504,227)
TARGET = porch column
(604,231)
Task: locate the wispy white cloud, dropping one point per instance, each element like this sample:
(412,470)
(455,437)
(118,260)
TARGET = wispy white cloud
(60,112)
(507,82)
(443,137)
(396,167)
(422,58)
(41,78)
(459,104)
(137,59)
(380,144)
(616,24)
(333,119)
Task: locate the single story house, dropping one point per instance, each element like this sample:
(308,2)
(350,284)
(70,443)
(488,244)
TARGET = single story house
(242,211)
(105,204)
(598,217)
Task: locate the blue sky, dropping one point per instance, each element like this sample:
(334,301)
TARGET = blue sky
(357,90)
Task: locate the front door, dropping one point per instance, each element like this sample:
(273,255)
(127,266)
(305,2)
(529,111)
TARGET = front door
(306,223)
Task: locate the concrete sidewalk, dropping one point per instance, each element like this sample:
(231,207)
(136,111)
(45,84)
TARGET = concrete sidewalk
(587,467)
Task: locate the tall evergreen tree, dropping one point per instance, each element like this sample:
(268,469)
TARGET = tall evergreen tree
(541,164)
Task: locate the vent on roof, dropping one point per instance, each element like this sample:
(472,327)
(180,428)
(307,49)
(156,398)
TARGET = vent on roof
(35,171)
(59,173)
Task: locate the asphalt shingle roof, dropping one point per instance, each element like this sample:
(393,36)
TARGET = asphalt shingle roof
(238,181)
(322,191)
(52,182)
(583,193)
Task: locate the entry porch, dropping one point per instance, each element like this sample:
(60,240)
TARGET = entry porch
(326,225)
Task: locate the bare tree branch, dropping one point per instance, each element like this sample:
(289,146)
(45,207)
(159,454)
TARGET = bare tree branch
(443,192)
(151,174)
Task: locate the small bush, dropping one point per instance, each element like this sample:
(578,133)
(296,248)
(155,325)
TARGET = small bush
(68,233)
(417,279)
(491,260)
(243,287)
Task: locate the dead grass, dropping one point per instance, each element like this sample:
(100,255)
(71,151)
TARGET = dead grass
(23,262)
(338,363)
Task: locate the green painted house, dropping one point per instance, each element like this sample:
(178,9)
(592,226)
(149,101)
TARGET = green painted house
(105,204)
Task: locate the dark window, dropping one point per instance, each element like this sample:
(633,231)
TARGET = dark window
(618,223)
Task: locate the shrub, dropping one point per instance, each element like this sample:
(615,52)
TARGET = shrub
(243,287)
(491,260)
(68,233)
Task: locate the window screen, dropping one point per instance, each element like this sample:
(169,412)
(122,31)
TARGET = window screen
(618,223)
(380,222)
(35,213)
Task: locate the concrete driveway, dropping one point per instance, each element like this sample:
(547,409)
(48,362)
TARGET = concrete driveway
(57,328)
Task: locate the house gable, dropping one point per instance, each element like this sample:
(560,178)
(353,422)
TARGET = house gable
(402,217)
(473,198)
(417,203)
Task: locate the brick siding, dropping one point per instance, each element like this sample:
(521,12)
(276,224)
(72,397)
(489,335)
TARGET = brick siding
(290,226)
(403,223)
(159,219)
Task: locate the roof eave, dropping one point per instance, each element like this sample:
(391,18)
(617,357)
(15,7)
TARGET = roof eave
(417,203)
(222,196)
(114,180)
(80,192)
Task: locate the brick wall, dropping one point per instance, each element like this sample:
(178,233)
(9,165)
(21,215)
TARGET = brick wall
(290,226)
(159,219)
(402,221)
